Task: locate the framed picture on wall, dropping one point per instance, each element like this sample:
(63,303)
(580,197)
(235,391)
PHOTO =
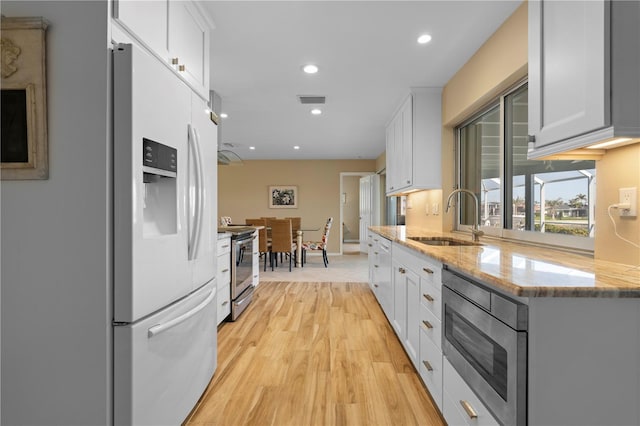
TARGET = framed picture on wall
(283,197)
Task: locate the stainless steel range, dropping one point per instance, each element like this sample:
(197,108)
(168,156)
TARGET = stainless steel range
(242,262)
(485,340)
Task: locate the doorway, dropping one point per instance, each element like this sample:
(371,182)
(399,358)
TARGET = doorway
(350,212)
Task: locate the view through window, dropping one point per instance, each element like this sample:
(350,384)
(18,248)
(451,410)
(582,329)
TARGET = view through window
(553,197)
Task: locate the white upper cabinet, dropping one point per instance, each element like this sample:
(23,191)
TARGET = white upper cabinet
(413,143)
(584,64)
(189,44)
(176,31)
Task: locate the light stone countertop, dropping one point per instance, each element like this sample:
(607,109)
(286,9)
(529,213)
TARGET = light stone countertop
(525,270)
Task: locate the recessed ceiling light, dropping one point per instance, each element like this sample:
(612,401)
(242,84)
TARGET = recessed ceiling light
(296,147)
(252,148)
(310,69)
(223,115)
(316,111)
(424,39)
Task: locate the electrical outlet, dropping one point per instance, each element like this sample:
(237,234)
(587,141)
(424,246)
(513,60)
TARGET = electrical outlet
(426,209)
(435,208)
(628,196)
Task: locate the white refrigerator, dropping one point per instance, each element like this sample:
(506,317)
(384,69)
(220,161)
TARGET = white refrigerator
(164,198)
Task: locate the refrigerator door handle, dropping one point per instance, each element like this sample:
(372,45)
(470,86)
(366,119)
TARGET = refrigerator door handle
(193,228)
(159,328)
(199,192)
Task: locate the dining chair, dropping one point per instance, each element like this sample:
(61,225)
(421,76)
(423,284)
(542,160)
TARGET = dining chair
(295,224)
(318,245)
(282,241)
(264,246)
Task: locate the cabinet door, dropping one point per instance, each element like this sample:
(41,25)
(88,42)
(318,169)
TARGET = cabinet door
(405,161)
(256,261)
(568,69)
(400,300)
(147,20)
(412,342)
(390,153)
(189,44)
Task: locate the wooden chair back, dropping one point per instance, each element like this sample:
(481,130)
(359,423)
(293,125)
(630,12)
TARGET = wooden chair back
(281,236)
(295,224)
(263,244)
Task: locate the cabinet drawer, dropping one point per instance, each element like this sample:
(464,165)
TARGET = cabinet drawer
(431,326)
(430,272)
(224,246)
(224,304)
(455,394)
(431,298)
(430,367)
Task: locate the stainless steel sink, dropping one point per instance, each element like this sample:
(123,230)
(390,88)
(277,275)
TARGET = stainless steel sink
(443,241)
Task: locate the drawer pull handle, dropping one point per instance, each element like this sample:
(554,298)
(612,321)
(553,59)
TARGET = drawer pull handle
(402,270)
(225,270)
(428,297)
(174,61)
(225,303)
(181,68)
(375,266)
(427,365)
(375,252)
(469,409)
(376,285)
(225,246)
(427,270)
(370,245)
(427,324)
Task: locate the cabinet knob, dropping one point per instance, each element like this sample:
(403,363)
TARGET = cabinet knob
(370,245)
(174,61)
(402,270)
(427,270)
(375,266)
(532,138)
(428,297)
(427,365)
(376,285)
(181,68)
(427,324)
(408,181)
(225,303)
(375,252)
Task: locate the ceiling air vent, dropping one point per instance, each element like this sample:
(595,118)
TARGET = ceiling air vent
(311,99)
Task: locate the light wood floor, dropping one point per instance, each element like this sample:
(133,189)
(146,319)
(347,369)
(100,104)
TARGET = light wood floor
(313,354)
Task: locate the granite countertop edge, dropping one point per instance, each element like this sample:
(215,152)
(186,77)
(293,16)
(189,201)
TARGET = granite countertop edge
(601,278)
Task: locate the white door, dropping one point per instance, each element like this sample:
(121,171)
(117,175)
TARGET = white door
(150,220)
(365,211)
(164,362)
(203,193)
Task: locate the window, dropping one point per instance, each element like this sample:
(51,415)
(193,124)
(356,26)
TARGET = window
(543,201)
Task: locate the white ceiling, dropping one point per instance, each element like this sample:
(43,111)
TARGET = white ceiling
(368,58)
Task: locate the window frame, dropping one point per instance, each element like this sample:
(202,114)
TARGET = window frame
(543,238)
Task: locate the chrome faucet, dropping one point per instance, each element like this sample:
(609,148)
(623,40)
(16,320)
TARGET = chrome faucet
(476,233)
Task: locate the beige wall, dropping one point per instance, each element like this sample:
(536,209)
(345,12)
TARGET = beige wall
(243,191)
(381,162)
(498,64)
(619,168)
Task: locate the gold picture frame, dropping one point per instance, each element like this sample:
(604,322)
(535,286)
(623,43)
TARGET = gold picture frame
(24,152)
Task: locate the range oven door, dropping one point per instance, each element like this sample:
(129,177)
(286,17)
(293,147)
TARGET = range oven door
(242,264)
(489,355)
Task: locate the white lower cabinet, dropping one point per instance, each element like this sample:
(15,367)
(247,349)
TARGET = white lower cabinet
(224,278)
(255,248)
(460,404)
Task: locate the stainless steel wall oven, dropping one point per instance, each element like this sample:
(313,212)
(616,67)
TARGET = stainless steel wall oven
(485,340)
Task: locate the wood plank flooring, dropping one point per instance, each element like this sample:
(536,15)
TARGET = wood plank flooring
(313,354)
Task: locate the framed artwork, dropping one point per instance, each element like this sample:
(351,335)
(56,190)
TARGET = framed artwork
(24,102)
(283,197)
